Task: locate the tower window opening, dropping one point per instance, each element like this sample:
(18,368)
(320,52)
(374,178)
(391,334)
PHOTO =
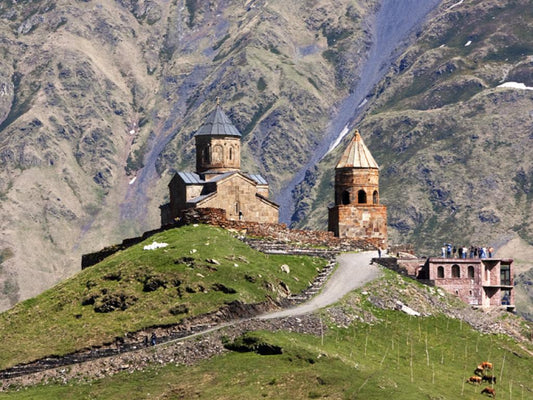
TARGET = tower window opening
(440,272)
(361,197)
(345,197)
(471,271)
(375,197)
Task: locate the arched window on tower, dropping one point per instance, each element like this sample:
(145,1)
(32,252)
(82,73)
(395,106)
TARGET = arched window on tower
(218,154)
(440,271)
(361,197)
(231,153)
(471,272)
(205,155)
(375,197)
(345,197)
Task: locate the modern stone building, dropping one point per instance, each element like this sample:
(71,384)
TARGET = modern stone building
(480,282)
(218,181)
(357,212)
(483,282)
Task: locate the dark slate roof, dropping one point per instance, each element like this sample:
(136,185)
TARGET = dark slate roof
(222,176)
(198,199)
(259,179)
(218,124)
(191,178)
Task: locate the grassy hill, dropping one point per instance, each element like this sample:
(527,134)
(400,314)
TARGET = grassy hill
(200,270)
(360,348)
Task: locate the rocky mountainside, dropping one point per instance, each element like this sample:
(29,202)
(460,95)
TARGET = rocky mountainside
(451,126)
(99,102)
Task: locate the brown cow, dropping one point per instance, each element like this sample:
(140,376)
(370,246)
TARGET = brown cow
(488,378)
(485,365)
(474,379)
(489,391)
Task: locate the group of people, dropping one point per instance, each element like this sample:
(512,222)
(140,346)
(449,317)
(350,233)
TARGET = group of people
(451,251)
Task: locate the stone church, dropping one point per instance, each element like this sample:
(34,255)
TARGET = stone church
(218,181)
(357,212)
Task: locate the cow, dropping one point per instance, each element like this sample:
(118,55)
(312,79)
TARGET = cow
(489,391)
(485,365)
(479,371)
(488,378)
(474,379)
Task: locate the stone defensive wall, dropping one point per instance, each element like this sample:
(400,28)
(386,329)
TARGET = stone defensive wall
(266,237)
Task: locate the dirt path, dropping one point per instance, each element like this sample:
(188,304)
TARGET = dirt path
(354,271)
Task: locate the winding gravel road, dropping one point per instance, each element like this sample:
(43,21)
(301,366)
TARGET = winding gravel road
(354,271)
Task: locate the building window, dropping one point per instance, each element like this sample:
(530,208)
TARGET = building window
(506,298)
(231,153)
(345,197)
(375,197)
(505,274)
(440,272)
(218,154)
(471,272)
(456,271)
(205,155)
(361,197)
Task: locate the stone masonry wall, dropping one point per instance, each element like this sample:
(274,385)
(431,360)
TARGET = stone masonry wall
(359,221)
(354,179)
(237,194)
(269,231)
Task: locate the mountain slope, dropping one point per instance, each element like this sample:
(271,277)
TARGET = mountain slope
(100,101)
(452,144)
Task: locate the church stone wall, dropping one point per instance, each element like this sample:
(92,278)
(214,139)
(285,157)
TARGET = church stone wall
(353,180)
(221,153)
(361,221)
(238,195)
(180,193)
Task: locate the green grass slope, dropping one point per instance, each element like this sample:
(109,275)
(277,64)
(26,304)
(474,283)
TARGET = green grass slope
(367,351)
(200,270)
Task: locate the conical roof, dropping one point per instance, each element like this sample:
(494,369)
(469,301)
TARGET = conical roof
(357,155)
(218,124)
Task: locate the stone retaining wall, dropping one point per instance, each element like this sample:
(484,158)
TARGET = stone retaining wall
(276,233)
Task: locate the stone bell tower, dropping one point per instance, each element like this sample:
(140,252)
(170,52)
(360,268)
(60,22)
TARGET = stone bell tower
(218,145)
(357,212)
